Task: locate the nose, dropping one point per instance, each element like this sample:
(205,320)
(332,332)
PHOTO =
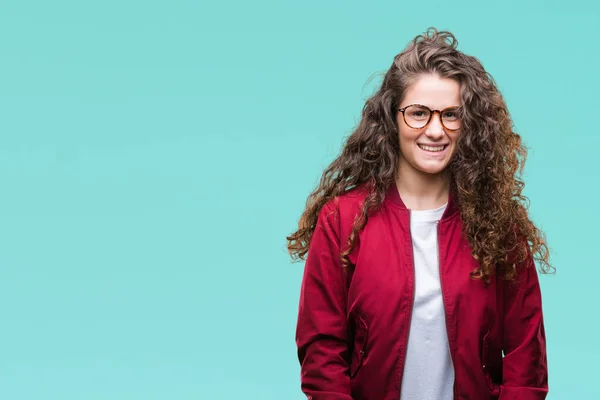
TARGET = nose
(435,129)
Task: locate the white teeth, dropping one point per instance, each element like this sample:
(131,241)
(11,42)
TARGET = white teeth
(432,148)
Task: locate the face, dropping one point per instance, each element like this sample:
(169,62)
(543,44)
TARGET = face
(431,148)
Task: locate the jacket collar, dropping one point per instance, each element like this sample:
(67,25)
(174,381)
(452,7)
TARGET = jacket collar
(393,197)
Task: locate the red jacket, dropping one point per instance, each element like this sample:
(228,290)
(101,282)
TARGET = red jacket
(353,325)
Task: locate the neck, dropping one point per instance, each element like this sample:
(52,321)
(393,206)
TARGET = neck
(420,190)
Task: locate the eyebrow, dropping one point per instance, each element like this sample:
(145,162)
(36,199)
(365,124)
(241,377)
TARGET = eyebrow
(431,108)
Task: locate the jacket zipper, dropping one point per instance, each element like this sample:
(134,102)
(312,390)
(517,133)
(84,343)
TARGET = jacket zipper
(412,303)
(437,242)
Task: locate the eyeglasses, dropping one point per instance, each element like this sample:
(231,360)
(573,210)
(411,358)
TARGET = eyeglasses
(418,116)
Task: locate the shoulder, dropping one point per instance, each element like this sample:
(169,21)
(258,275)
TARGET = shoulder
(341,212)
(347,203)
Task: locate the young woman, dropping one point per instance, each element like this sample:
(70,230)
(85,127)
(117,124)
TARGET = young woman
(420,280)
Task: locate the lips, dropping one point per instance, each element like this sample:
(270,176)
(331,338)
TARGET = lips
(433,148)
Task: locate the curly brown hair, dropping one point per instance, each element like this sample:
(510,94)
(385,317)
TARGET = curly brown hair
(485,169)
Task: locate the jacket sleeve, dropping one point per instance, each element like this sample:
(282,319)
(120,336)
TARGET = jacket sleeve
(321,332)
(524,369)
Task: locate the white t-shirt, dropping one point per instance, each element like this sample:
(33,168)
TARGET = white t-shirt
(428,372)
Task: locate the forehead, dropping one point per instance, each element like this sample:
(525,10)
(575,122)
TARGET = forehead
(433,92)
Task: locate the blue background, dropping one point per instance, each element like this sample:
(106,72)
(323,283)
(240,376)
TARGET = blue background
(154,156)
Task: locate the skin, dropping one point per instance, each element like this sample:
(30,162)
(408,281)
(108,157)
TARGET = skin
(423,180)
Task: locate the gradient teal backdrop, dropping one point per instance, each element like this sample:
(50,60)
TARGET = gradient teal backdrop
(154,156)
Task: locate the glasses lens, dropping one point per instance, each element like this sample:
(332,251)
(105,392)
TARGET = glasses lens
(451,119)
(416,116)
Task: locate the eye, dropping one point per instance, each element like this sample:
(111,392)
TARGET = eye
(451,114)
(417,113)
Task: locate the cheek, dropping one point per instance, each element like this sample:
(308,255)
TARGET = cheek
(407,149)
(404,140)
(455,137)
(405,134)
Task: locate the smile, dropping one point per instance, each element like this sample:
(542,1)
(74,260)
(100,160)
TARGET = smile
(433,149)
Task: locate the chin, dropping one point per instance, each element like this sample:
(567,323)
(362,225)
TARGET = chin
(433,170)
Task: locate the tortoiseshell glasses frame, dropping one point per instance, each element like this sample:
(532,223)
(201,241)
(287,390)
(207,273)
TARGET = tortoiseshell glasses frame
(456,109)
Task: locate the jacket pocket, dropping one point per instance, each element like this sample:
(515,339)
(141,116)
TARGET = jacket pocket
(487,364)
(359,351)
